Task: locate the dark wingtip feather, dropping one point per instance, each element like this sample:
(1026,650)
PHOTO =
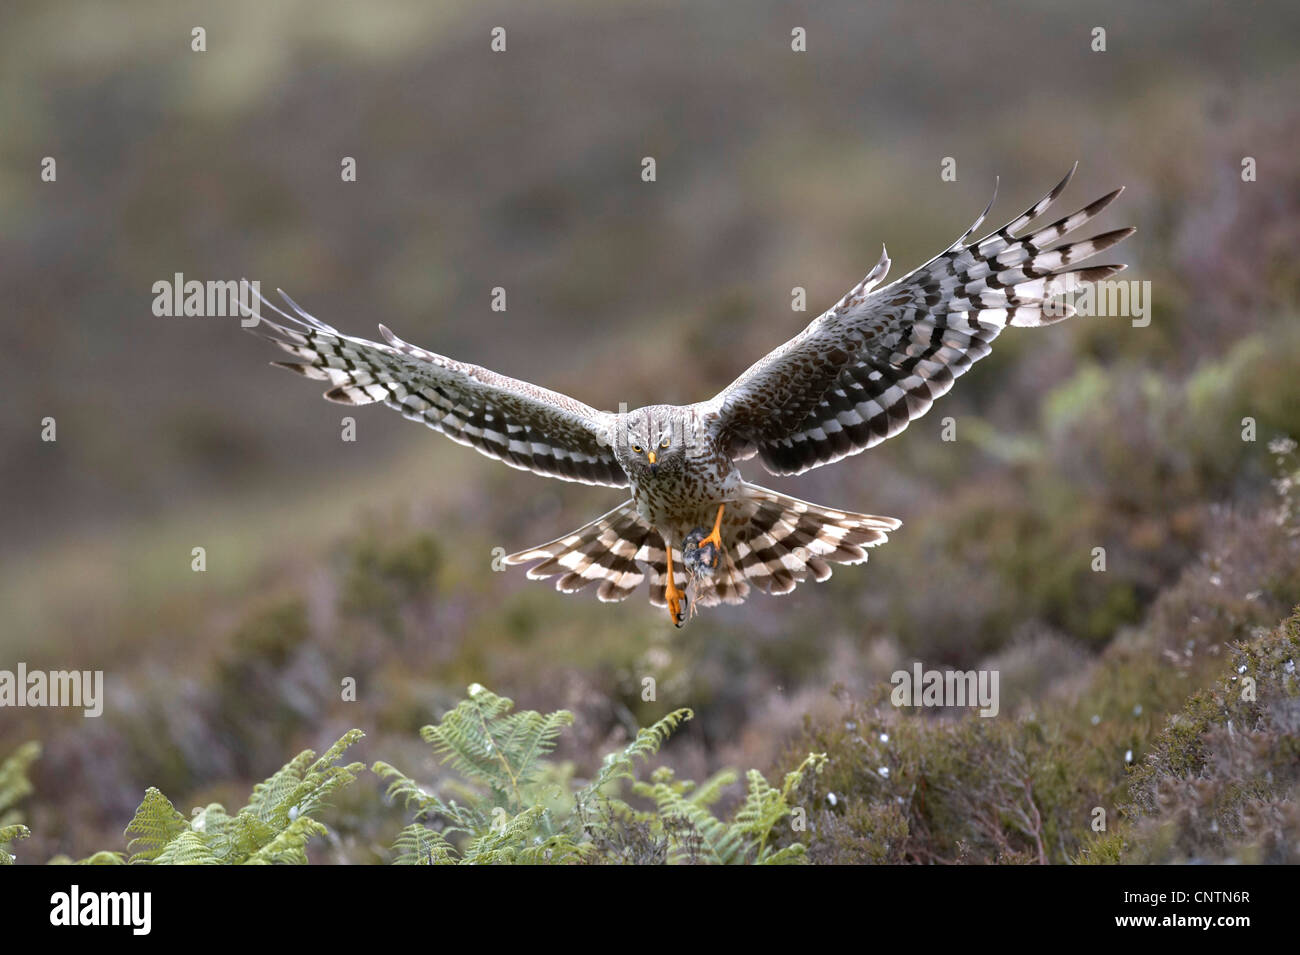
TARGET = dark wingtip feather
(1065,181)
(1096,273)
(341,396)
(979,220)
(1096,206)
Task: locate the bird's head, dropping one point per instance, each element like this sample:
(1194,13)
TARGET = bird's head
(648,444)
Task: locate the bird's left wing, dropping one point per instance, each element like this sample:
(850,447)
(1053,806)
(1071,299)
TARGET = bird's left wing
(860,372)
(525,426)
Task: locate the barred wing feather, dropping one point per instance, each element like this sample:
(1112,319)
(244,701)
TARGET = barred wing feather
(877,360)
(525,426)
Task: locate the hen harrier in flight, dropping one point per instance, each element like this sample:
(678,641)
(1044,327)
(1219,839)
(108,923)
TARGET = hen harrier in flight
(854,377)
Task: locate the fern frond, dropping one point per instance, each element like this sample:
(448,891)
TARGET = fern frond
(156,823)
(813,763)
(515,807)
(620,764)
(649,740)
(559,849)
(466,819)
(530,736)
(270,794)
(417,844)
(14,784)
(289,846)
(236,838)
(99,858)
(274,828)
(794,854)
(463,737)
(481,739)
(305,783)
(500,843)
(696,835)
(405,788)
(763,808)
(10,834)
(186,848)
(325,778)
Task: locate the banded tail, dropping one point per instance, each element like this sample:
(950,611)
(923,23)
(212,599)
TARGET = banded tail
(771,542)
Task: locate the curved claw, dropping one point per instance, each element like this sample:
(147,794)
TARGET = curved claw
(678,603)
(711,546)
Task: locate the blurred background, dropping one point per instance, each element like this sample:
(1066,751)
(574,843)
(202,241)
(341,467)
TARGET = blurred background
(522,170)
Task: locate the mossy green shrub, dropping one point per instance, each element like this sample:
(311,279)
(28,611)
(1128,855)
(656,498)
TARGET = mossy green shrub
(1129,741)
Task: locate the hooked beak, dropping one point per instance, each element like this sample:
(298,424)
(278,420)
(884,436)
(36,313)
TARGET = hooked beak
(651,456)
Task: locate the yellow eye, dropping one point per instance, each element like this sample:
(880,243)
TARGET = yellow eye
(665,444)
(636,448)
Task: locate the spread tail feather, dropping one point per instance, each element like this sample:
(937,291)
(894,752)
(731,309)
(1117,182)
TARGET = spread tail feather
(606,550)
(771,542)
(774,542)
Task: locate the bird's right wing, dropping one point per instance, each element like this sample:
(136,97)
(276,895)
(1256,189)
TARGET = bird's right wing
(525,426)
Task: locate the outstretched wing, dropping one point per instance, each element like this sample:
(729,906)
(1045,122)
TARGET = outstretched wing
(860,372)
(513,421)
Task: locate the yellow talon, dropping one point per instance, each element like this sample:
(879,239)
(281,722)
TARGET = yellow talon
(715,536)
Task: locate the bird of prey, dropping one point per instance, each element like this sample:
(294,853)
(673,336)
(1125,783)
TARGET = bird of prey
(693,525)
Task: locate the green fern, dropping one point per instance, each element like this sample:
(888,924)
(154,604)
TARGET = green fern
(508,804)
(765,807)
(274,828)
(621,764)
(14,786)
(696,835)
(99,858)
(10,834)
(512,806)
(417,844)
(482,740)
(502,815)
(156,823)
(289,844)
